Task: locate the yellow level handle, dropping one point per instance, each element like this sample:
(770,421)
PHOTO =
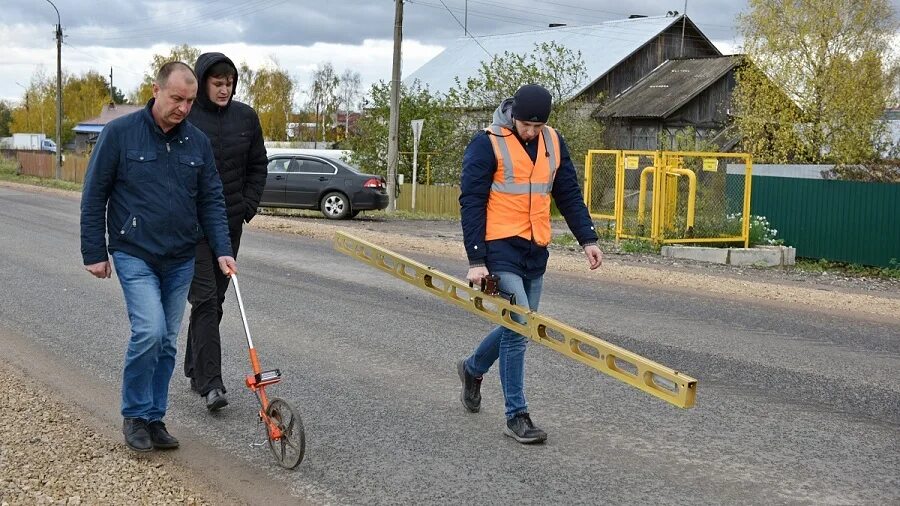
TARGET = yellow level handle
(623,365)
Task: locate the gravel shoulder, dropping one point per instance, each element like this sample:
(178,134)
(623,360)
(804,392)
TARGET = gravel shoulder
(50,453)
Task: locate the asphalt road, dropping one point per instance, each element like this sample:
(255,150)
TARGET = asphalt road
(793,406)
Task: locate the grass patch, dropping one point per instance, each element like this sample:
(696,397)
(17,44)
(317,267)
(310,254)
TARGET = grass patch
(845,269)
(565,240)
(639,246)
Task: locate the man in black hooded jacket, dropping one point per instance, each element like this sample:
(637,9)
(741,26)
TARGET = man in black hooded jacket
(236,136)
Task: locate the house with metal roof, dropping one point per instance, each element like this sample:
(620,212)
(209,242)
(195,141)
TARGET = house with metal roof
(87,131)
(646,75)
(679,94)
(616,53)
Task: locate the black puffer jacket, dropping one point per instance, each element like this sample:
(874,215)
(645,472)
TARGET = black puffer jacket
(237,143)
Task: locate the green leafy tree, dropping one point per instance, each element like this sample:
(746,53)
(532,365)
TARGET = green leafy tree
(271,92)
(5,118)
(84,97)
(559,69)
(441,134)
(555,67)
(452,118)
(118,96)
(184,53)
(819,80)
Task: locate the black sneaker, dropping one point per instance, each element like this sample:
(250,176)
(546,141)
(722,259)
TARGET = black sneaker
(160,437)
(471,390)
(215,400)
(136,435)
(523,430)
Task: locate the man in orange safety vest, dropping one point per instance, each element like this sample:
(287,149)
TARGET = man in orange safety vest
(511,170)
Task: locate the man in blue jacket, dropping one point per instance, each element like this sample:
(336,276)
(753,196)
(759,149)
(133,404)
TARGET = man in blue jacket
(152,186)
(511,170)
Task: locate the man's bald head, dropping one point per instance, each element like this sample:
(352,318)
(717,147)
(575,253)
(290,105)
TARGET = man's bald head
(162,77)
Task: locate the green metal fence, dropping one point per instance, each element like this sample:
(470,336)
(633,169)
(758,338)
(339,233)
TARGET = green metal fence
(844,221)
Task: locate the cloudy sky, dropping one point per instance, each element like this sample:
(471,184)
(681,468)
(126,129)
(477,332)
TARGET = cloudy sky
(299,34)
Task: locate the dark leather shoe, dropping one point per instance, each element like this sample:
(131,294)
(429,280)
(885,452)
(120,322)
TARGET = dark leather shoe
(160,437)
(136,435)
(471,388)
(215,400)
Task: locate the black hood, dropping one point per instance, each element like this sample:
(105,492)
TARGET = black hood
(204,63)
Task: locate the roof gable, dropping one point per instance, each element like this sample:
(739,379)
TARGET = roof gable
(111,112)
(602,47)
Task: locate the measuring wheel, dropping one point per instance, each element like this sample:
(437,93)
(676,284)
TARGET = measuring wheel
(287,440)
(284,429)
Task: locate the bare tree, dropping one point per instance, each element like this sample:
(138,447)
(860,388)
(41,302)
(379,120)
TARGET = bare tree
(323,94)
(349,92)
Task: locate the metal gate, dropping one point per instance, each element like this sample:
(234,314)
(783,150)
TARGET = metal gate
(670,196)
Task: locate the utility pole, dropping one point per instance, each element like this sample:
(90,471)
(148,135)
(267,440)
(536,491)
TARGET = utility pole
(59,108)
(466,20)
(393,141)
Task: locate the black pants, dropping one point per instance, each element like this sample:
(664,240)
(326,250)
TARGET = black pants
(203,354)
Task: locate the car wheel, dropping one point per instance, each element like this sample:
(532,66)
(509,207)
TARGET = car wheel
(335,206)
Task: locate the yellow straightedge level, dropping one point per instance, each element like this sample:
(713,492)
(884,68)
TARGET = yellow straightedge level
(655,379)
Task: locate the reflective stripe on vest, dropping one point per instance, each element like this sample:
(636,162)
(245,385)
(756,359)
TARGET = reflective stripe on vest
(519,201)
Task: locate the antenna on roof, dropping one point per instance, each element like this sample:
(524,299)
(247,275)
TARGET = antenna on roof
(683,23)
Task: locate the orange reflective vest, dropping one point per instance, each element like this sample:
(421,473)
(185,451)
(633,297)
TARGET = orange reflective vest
(519,201)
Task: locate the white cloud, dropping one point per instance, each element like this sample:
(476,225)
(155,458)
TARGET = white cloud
(372,59)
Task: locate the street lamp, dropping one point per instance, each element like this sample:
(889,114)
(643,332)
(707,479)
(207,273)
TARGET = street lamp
(27,108)
(59,37)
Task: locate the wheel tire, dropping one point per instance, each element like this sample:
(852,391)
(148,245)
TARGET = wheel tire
(335,206)
(290,449)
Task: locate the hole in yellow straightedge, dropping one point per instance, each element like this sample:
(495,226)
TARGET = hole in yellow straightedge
(623,366)
(661,382)
(584,349)
(545,332)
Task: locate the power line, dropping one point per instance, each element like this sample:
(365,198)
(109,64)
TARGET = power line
(542,27)
(466,30)
(97,60)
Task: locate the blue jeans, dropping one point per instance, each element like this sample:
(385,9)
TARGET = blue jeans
(508,345)
(155,299)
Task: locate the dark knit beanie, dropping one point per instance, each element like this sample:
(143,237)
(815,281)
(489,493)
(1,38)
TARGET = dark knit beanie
(532,103)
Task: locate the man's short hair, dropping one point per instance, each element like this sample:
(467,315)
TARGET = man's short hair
(221,70)
(162,77)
